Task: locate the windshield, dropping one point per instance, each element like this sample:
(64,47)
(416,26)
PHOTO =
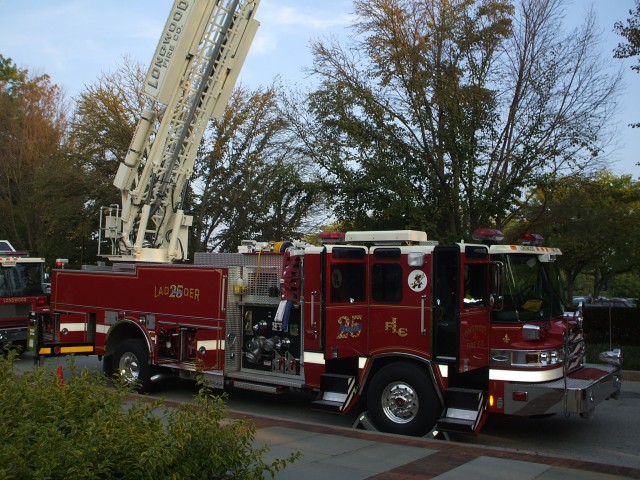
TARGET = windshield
(531,289)
(21,280)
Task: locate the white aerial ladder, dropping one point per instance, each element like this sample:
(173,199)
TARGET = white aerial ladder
(191,77)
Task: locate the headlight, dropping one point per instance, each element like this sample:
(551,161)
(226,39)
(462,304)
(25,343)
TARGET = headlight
(526,358)
(551,357)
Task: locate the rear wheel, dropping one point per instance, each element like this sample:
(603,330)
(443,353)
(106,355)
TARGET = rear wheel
(401,399)
(131,362)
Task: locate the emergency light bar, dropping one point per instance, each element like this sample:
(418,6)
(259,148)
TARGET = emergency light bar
(532,239)
(331,237)
(61,262)
(488,235)
(388,237)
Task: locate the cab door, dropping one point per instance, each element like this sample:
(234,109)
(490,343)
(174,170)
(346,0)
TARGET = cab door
(475,308)
(347,307)
(461,306)
(446,304)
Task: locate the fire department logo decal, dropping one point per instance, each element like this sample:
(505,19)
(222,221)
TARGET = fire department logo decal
(417,280)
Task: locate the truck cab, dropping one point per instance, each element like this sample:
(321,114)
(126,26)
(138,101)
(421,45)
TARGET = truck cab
(21,291)
(537,346)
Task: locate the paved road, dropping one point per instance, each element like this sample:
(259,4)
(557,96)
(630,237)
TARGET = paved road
(610,437)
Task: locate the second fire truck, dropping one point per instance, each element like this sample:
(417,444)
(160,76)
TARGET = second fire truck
(21,291)
(417,335)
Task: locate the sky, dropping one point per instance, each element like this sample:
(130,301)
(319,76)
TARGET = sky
(74,41)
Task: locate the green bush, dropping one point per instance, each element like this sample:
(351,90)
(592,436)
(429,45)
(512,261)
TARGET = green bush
(83,429)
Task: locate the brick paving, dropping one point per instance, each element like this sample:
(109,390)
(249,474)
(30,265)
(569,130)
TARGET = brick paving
(441,456)
(448,456)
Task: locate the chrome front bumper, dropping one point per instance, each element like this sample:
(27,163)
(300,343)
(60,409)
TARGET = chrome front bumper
(585,389)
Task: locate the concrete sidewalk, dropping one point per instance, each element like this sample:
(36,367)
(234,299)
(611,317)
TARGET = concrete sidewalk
(349,454)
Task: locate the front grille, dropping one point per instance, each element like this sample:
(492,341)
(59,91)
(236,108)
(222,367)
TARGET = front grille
(576,350)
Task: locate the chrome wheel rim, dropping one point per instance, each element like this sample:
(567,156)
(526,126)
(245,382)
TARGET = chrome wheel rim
(400,402)
(129,367)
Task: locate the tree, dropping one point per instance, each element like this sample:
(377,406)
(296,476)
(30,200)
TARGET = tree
(36,177)
(594,220)
(103,124)
(250,184)
(631,32)
(245,182)
(439,115)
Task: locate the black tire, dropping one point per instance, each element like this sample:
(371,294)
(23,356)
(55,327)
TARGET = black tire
(131,362)
(401,399)
(107,365)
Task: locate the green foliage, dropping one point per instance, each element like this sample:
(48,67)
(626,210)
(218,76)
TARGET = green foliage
(625,285)
(631,32)
(33,165)
(595,221)
(440,114)
(246,184)
(82,429)
(249,183)
(10,75)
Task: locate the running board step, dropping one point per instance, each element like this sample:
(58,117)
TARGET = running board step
(464,411)
(336,393)
(258,387)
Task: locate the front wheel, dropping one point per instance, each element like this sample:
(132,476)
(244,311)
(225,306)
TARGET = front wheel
(401,399)
(131,362)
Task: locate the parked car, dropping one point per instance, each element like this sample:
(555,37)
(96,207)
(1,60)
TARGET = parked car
(581,300)
(613,302)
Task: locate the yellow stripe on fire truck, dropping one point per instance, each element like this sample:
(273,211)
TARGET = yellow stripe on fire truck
(63,350)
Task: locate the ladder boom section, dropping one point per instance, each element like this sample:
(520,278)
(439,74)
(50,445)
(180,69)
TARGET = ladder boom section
(195,67)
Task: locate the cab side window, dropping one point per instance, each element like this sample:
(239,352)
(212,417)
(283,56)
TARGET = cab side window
(348,282)
(386,282)
(475,280)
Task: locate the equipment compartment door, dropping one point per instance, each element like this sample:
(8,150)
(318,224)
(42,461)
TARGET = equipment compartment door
(210,347)
(75,328)
(313,301)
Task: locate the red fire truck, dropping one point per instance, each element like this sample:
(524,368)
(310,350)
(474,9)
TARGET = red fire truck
(418,335)
(21,291)
(415,334)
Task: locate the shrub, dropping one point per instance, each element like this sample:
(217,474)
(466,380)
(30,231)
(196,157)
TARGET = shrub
(83,429)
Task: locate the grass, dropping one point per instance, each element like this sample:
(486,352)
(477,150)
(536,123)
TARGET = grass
(630,354)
